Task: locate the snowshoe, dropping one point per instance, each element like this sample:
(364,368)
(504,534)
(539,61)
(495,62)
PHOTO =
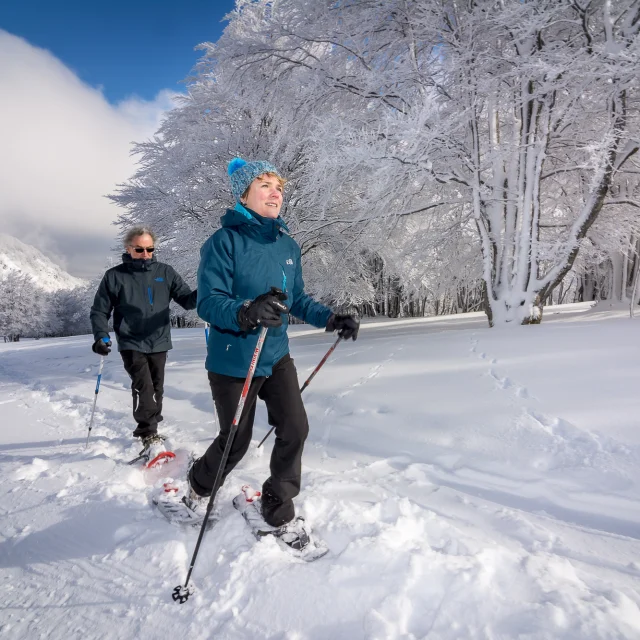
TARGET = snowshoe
(182,511)
(154,452)
(294,537)
(188,509)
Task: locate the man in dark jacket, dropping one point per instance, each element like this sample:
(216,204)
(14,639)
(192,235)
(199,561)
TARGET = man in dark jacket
(139,291)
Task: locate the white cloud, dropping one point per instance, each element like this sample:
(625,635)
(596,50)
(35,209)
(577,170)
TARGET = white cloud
(64,147)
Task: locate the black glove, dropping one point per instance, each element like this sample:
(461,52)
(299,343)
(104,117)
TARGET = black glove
(346,326)
(266,310)
(102,346)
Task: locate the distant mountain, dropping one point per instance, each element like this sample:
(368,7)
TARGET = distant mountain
(18,256)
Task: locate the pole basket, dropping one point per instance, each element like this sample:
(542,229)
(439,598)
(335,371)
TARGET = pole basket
(181,593)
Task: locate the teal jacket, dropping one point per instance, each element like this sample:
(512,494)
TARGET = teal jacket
(245,258)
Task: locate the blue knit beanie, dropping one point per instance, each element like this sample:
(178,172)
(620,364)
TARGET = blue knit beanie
(243,173)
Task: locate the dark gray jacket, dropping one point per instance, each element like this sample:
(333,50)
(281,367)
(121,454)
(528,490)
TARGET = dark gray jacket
(139,292)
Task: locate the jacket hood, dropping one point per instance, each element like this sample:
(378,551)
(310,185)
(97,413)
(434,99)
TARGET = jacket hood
(240,216)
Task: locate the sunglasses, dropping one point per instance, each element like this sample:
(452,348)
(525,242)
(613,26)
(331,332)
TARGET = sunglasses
(143,249)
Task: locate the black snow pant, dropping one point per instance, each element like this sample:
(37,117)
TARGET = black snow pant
(281,393)
(147,387)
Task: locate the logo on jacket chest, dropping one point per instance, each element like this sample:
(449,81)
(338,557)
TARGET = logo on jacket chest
(290,261)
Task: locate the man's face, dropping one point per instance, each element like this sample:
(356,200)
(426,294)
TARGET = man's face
(144,242)
(265,196)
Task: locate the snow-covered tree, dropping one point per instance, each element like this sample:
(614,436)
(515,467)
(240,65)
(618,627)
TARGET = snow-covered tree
(17,294)
(526,110)
(437,149)
(71,308)
(27,310)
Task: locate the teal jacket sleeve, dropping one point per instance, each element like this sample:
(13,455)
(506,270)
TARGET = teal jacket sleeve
(303,306)
(216,303)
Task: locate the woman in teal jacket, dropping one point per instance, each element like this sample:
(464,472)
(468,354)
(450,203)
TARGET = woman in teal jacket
(240,264)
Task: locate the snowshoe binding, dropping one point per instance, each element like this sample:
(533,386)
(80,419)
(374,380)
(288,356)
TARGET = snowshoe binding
(187,509)
(294,537)
(154,452)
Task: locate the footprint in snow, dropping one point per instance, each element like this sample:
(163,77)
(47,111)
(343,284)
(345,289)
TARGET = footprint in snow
(507,384)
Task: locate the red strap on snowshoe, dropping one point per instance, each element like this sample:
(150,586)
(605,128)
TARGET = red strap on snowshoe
(161,458)
(250,494)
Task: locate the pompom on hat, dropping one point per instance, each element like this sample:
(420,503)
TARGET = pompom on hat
(243,173)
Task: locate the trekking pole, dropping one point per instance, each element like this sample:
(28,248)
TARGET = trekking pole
(95,397)
(309,379)
(182,592)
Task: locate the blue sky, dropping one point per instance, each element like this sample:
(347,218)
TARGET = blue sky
(134,47)
(80,82)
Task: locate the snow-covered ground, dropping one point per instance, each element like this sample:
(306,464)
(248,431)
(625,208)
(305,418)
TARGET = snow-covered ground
(471,483)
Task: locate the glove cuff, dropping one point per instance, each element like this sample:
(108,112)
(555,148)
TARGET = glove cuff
(245,322)
(331,323)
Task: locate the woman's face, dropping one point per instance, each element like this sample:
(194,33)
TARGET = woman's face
(264,196)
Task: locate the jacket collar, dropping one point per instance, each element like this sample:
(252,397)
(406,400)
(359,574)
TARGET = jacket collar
(137,264)
(241,215)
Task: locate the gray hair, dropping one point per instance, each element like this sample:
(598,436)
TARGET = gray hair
(134,232)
